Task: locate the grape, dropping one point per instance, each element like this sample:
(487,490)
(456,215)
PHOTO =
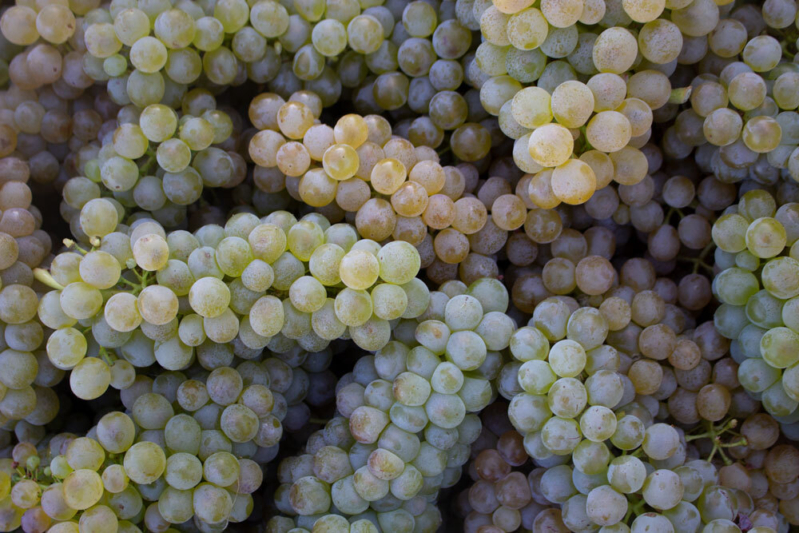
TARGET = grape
(82,489)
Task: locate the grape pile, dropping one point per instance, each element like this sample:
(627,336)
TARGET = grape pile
(392,266)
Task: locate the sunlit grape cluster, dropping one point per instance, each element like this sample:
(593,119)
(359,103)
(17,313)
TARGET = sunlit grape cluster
(267,302)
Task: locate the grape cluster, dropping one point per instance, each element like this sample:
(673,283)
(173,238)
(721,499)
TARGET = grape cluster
(119,474)
(508,493)
(631,348)
(266,302)
(405,417)
(160,179)
(756,286)
(361,164)
(336,472)
(27,403)
(499,497)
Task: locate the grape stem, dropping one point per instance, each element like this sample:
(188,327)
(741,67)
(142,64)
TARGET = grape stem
(634,507)
(584,136)
(136,288)
(699,261)
(714,433)
(33,474)
(69,243)
(106,356)
(706,250)
(142,278)
(785,51)
(43,276)
(680,96)
(147,166)
(128,282)
(321,421)
(637,453)
(670,212)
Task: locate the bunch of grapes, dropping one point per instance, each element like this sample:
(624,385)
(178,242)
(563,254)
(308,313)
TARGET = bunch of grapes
(634,492)
(160,181)
(756,286)
(405,417)
(267,301)
(337,473)
(499,497)
(27,403)
(120,475)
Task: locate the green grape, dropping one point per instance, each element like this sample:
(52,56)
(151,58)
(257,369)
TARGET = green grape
(729,232)
(765,237)
(232,14)
(175,28)
(148,54)
(115,432)
(183,471)
(419,19)
(145,89)
(777,345)
(399,262)
(90,378)
(329,37)
(735,286)
(210,32)
(19,25)
(82,489)
(762,134)
(629,433)
(209,297)
(78,300)
(567,397)
(101,40)
(756,375)
(84,452)
(175,505)
(359,269)
(561,435)
(598,423)
(662,489)
(221,469)
(536,377)
(762,53)
(66,347)
(158,122)
(567,358)
(365,33)
(653,522)
(270,19)
(211,504)
(550,145)
(144,462)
